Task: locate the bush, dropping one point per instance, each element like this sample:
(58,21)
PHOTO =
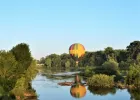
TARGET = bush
(101,81)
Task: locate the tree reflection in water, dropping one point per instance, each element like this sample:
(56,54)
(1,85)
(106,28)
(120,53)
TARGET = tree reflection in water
(135,94)
(101,92)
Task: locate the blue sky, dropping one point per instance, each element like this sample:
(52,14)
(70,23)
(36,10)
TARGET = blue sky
(51,26)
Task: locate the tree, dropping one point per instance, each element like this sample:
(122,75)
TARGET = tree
(99,58)
(55,60)
(84,60)
(42,60)
(121,55)
(72,62)
(17,69)
(135,94)
(22,55)
(31,71)
(123,65)
(110,54)
(108,68)
(138,59)
(88,71)
(8,65)
(66,58)
(133,75)
(23,83)
(48,63)
(133,49)
(67,64)
(88,59)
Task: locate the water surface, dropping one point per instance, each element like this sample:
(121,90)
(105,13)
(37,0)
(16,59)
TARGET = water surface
(48,89)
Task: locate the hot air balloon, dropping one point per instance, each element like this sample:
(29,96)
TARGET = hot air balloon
(77,51)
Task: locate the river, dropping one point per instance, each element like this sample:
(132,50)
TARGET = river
(48,89)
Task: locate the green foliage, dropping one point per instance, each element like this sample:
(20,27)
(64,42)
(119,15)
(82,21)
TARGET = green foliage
(90,59)
(88,72)
(133,76)
(66,58)
(22,55)
(17,69)
(109,68)
(31,71)
(133,49)
(101,81)
(102,92)
(42,60)
(7,97)
(48,62)
(119,78)
(67,64)
(123,65)
(8,66)
(56,60)
(100,58)
(137,82)
(20,87)
(59,61)
(110,54)
(2,92)
(138,59)
(87,62)
(121,55)
(135,94)
(22,84)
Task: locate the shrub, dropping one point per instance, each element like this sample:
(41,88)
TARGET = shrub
(101,81)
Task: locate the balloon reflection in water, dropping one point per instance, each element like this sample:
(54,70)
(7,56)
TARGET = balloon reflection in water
(78,90)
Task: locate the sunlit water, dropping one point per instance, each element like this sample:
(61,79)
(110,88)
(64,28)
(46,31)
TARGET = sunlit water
(48,89)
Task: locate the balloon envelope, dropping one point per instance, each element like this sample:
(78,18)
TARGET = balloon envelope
(77,51)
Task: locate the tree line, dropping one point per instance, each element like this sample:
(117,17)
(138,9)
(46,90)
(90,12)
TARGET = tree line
(123,63)
(122,56)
